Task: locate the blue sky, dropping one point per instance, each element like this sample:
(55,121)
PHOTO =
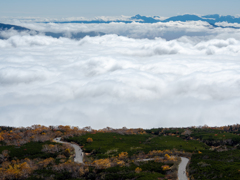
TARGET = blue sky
(92,8)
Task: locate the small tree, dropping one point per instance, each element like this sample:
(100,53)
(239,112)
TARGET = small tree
(138,170)
(1,138)
(167,156)
(89,140)
(67,152)
(123,155)
(165,167)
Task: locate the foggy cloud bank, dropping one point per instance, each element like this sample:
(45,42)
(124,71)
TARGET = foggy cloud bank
(130,77)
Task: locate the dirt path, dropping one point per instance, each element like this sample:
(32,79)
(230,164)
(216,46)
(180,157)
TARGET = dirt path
(182,169)
(78,151)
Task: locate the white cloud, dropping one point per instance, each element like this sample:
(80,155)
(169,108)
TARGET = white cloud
(120,81)
(11,32)
(169,30)
(11,20)
(226,24)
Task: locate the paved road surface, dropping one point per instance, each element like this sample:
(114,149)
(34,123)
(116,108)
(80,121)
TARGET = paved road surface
(182,169)
(78,151)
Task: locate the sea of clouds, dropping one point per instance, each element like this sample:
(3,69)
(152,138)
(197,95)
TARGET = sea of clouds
(137,75)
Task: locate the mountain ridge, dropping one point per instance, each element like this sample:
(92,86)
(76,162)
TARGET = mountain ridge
(212,19)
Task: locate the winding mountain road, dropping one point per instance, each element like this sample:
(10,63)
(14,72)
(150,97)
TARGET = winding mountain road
(78,151)
(79,159)
(182,169)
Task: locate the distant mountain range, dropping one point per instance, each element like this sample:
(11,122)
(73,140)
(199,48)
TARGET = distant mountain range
(78,35)
(9,26)
(212,19)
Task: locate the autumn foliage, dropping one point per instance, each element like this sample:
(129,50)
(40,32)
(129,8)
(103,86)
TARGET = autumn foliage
(89,140)
(16,169)
(165,167)
(123,155)
(58,158)
(138,170)
(102,163)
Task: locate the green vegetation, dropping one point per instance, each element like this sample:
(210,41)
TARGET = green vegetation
(30,150)
(29,153)
(172,142)
(150,170)
(43,173)
(206,134)
(111,144)
(216,165)
(158,131)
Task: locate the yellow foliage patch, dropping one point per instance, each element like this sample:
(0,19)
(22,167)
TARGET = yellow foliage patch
(123,155)
(89,140)
(165,167)
(138,170)
(102,163)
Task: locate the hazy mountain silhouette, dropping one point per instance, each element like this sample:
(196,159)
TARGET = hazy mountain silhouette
(183,18)
(212,19)
(217,18)
(144,19)
(9,26)
(78,35)
(92,21)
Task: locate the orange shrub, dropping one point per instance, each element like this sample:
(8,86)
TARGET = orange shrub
(89,140)
(138,170)
(123,155)
(102,163)
(165,167)
(167,156)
